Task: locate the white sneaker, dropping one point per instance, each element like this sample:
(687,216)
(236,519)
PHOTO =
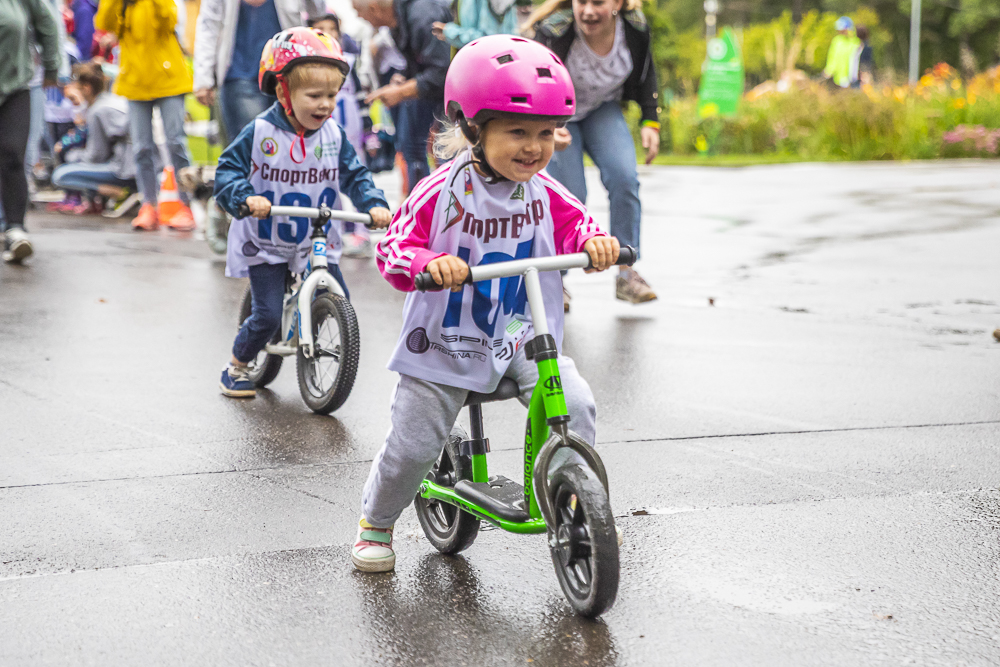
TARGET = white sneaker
(372,550)
(18,247)
(358,247)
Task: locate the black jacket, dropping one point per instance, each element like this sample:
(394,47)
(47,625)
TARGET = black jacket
(557,32)
(427,57)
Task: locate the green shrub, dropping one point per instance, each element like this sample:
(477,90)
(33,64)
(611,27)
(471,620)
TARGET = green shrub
(812,122)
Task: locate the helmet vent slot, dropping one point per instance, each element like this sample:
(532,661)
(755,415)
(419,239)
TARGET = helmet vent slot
(544,71)
(505,58)
(518,99)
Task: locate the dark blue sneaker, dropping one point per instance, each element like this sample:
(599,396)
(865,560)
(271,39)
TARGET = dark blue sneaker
(237,383)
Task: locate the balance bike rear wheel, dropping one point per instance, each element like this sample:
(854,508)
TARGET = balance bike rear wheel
(326,379)
(585,551)
(265,367)
(447,527)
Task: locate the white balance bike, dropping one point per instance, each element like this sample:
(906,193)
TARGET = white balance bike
(318,324)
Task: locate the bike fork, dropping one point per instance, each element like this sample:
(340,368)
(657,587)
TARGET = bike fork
(319,276)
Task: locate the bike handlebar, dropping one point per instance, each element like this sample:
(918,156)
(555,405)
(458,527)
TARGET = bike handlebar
(424,282)
(323,212)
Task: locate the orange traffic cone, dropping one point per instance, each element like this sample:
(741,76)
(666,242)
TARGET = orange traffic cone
(171,209)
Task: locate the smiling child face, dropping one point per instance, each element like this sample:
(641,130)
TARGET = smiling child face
(313,91)
(518,149)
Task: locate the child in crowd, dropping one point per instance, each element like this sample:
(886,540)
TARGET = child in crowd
(294,155)
(505,97)
(356,239)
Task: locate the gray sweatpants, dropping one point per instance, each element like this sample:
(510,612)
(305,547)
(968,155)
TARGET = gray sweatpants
(423,414)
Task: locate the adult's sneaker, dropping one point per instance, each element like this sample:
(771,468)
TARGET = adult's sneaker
(236,382)
(372,550)
(630,286)
(17,247)
(147,219)
(357,246)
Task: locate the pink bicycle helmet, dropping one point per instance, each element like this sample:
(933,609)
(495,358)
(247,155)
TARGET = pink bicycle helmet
(291,47)
(504,74)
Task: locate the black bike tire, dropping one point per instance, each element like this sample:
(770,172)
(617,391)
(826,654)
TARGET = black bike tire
(604,560)
(350,350)
(264,374)
(464,527)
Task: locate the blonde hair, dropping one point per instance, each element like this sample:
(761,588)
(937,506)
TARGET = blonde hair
(311,72)
(450,141)
(550,7)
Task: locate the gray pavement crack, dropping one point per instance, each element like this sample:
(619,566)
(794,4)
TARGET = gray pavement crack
(638,513)
(684,438)
(847,429)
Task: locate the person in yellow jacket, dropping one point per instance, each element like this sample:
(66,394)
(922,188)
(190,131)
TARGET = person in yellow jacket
(152,74)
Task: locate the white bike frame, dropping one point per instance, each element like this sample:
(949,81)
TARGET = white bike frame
(297,332)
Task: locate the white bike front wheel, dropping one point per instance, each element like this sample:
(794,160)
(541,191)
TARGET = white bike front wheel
(326,378)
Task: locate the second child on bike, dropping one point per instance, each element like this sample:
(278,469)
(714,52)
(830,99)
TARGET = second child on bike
(293,154)
(505,96)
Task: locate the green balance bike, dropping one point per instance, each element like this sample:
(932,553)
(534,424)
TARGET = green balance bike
(571,505)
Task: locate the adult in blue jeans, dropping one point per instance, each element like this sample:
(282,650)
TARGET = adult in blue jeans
(228,41)
(605,46)
(420,90)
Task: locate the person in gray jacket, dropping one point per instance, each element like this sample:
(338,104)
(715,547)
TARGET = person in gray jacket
(228,40)
(107,168)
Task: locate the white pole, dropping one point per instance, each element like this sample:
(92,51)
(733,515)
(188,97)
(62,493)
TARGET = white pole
(914,40)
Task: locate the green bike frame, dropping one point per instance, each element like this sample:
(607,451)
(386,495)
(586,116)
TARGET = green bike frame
(548,405)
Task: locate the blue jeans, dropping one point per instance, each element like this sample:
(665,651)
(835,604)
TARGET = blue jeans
(241,101)
(416,117)
(267,291)
(35,130)
(86,177)
(606,138)
(140,116)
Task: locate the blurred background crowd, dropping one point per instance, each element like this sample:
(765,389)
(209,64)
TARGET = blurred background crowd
(123,106)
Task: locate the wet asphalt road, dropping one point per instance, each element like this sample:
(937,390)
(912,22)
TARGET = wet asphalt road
(806,472)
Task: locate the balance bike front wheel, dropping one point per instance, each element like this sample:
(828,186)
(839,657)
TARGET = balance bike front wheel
(583,542)
(326,379)
(447,527)
(264,368)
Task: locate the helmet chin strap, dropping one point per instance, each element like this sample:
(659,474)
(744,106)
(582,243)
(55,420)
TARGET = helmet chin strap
(285,98)
(479,156)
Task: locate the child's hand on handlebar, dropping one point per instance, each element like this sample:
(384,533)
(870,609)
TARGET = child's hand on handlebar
(603,251)
(381,217)
(449,271)
(259,207)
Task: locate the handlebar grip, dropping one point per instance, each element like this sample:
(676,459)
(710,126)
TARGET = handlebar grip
(627,256)
(424,282)
(243,211)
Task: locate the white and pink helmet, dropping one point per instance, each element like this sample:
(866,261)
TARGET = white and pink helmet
(503,74)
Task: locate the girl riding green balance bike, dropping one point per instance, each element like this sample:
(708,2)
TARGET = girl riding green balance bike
(293,154)
(504,97)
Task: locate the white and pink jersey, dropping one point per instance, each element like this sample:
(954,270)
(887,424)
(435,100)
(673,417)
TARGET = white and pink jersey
(468,338)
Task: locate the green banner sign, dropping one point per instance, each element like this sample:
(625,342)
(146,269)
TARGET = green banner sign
(721,77)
